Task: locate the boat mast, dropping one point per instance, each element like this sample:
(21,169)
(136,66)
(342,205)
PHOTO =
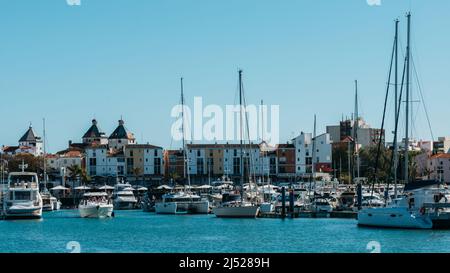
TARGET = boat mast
(45,155)
(313,164)
(355,133)
(408,56)
(241,136)
(262,143)
(185,157)
(396,108)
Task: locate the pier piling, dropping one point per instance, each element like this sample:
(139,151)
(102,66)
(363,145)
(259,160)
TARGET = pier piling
(291,203)
(283,202)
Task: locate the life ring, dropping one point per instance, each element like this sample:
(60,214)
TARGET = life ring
(422,210)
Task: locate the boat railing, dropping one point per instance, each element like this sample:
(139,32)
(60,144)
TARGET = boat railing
(436,205)
(23,185)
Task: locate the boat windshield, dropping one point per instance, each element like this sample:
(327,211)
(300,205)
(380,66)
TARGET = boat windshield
(21,195)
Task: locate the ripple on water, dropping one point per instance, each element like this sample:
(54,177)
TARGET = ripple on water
(136,231)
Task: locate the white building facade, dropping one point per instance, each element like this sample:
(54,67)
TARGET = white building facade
(304,151)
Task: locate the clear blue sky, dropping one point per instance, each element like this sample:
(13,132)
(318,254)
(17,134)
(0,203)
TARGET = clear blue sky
(105,59)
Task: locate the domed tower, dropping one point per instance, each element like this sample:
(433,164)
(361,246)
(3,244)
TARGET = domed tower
(32,142)
(94,136)
(121,137)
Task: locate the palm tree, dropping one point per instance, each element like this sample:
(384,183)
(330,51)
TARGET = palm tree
(136,172)
(77,172)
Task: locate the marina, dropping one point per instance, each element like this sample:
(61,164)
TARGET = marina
(136,231)
(155,141)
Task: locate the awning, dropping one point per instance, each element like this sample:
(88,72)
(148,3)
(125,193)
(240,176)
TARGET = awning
(82,188)
(59,188)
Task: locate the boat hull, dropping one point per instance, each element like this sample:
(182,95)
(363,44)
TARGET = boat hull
(20,212)
(92,211)
(393,218)
(201,207)
(48,207)
(267,208)
(236,212)
(124,205)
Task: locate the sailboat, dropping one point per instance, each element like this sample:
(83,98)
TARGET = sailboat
(49,202)
(408,211)
(238,208)
(184,201)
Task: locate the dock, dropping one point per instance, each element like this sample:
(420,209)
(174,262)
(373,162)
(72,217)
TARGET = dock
(311,214)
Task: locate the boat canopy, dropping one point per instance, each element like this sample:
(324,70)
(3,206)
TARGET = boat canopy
(82,188)
(59,188)
(95,194)
(106,187)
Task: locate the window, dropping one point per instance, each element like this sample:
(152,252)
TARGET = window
(200,167)
(157,166)
(92,161)
(131,153)
(236,165)
(235,152)
(156,153)
(199,153)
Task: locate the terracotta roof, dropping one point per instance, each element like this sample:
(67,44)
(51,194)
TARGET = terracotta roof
(443,156)
(142,146)
(8,149)
(72,154)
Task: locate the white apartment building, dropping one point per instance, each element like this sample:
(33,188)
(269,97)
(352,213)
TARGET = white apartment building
(304,151)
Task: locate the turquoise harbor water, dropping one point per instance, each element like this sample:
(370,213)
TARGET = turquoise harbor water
(136,231)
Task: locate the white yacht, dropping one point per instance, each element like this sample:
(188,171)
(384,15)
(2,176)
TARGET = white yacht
(182,202)
(124,198)
(95,205)
(50,203)
(233,206)
(321,205)
(22,198)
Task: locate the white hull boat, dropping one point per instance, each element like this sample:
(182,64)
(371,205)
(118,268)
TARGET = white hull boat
(96,210)
(24,210)
(394,217)
(95,205)
(182,203)
(23,199)
(237,211)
